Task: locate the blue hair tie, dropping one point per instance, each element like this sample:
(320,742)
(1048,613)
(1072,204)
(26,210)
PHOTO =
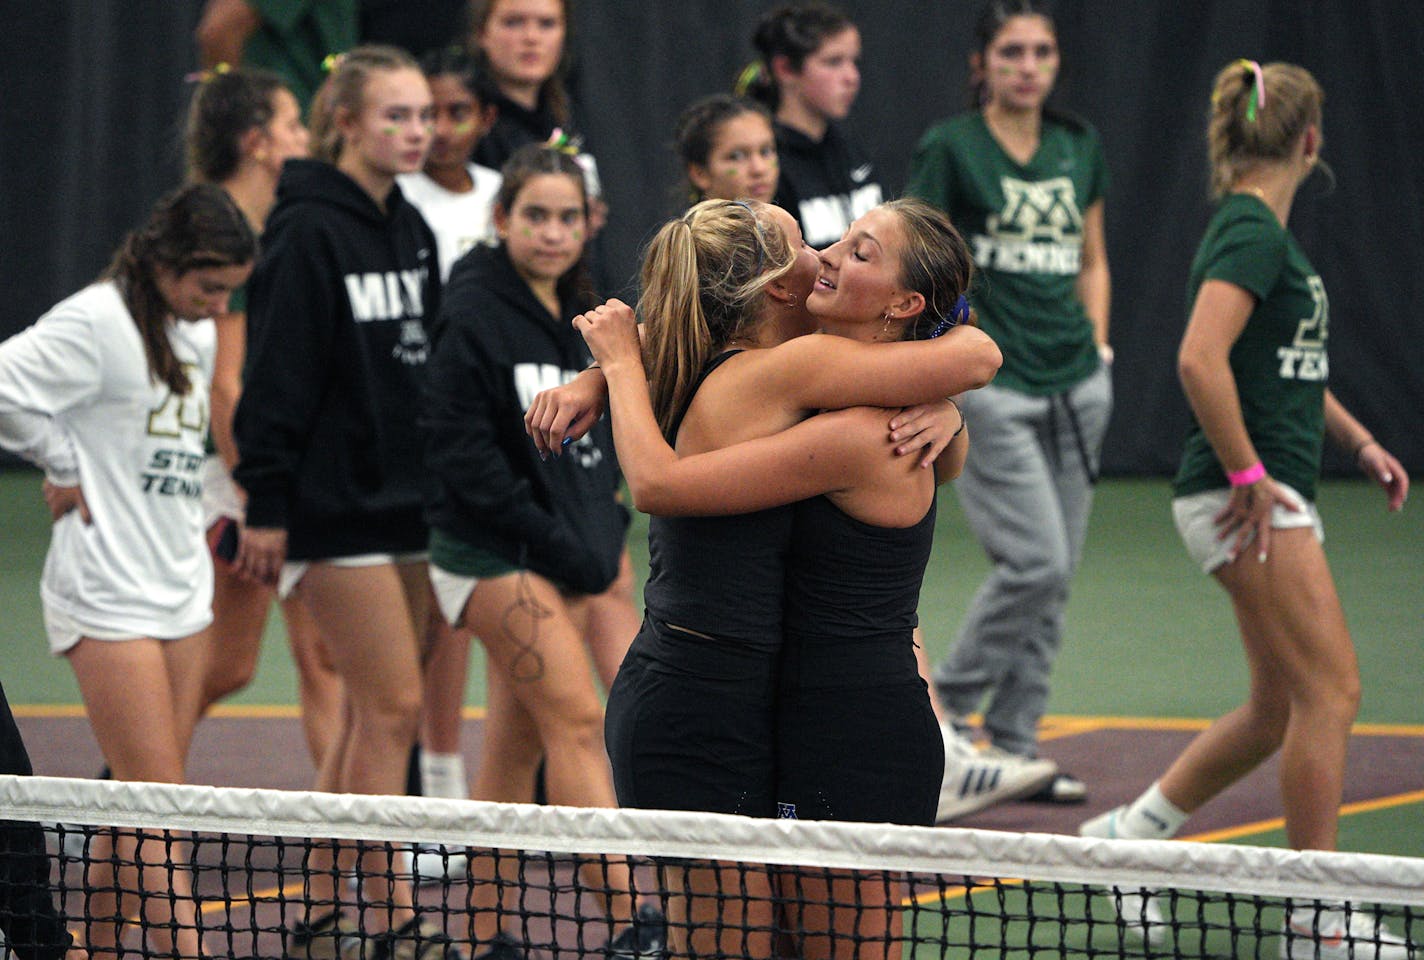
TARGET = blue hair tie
(960,314)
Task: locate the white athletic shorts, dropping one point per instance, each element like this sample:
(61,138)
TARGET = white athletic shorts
(452,592)
(292,573)
(65,632)
(220,497)
(1194,516)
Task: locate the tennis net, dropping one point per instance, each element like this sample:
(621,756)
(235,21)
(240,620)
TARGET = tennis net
(161,870)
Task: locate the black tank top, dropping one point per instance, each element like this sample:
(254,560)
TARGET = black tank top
(852,591)
(719,576)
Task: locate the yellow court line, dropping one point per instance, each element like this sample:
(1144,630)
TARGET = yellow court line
(1216,836)
(293,889)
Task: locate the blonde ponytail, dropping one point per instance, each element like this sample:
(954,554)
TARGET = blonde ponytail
(703,276)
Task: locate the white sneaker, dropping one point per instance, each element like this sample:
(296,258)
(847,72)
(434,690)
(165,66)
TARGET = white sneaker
(1322,933)
(975,779)
(1140,910)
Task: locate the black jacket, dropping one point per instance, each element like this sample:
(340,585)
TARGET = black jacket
(825,184)
(514,126)
(337,349)
(498,347)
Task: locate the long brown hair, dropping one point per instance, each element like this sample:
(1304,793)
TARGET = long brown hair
(702,278)
(192,228)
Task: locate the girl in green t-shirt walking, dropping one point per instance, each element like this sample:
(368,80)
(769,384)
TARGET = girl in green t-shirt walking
(1253,364)
(1025,185)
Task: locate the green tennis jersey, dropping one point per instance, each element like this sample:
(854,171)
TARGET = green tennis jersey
(1279,362)
(1024,223)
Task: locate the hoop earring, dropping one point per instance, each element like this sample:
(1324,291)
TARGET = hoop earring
(791,299)
(886,329)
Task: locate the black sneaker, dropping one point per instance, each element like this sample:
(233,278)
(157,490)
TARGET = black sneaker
(643,939)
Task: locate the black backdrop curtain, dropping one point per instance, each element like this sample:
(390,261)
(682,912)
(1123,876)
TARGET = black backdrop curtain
(93,100)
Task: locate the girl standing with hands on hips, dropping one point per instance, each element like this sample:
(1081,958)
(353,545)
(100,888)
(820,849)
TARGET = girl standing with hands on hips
(1025,183)
(1253,364)
(808,74)
(108,393)
(337,311)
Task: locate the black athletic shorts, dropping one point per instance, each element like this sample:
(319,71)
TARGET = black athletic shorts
(689,725)
(857,738)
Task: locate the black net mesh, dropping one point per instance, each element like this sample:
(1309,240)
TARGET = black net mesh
(158,871)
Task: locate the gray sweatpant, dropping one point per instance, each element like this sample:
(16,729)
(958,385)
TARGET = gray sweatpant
(1026,493)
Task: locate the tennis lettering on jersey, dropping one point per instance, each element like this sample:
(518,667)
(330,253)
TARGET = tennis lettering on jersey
(174,473)
(1038,230)
(1305,358)
(393,295)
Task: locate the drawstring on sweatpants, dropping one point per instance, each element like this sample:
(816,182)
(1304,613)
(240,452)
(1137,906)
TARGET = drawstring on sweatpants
(1076,428)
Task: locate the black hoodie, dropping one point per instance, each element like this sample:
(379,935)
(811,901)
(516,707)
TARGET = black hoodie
(337,349)
(825,184)
(498,347)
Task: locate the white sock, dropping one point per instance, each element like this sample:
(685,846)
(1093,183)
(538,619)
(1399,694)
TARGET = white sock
(443,775)
(1150,817)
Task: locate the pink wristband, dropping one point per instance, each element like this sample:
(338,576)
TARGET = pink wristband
(1244,478)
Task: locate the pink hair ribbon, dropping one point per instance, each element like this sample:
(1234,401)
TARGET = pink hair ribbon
(1258,92)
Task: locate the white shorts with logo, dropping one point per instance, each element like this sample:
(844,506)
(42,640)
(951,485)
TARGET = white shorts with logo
(1195,516)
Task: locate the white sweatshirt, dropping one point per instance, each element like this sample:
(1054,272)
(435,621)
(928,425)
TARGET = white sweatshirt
(458,220)
(76,399)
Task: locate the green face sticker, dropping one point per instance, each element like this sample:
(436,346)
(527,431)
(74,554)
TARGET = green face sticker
(463,128)
(527,233)
(390,130)
(578,236)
